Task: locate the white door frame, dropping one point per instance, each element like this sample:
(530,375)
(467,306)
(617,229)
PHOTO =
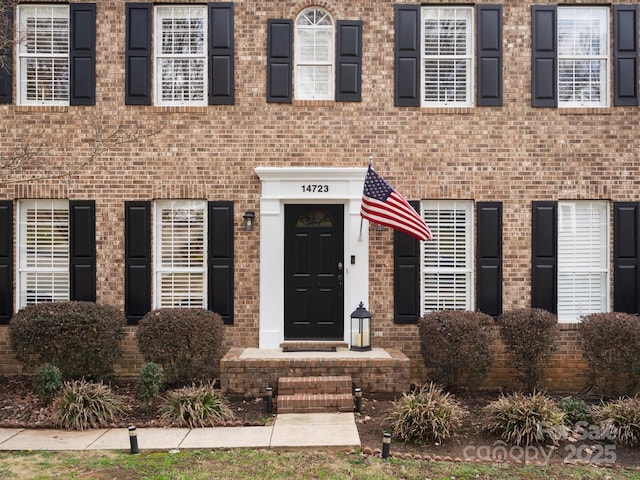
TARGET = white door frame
(309,185)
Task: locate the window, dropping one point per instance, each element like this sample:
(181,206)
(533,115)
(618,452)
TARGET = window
(583,253)
(180,52)
(448,56)
(573,63)
(192,58)
(447,60)
(43,54)
(314,55)
(180,261)
(43,265)
(447,260)
(583,56)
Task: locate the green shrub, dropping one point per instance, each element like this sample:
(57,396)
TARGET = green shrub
(48,382)
(456,346)
(526,419)
(196,406)
(619,420)
(151,378)
(186,342)
(529,336)
(81,338)
(428,414)
(82,404)
(610,347)
(575,411)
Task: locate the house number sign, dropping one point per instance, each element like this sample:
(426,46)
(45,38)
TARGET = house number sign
(315,188)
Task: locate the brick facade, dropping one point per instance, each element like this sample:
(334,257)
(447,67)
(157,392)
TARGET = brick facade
(514,154)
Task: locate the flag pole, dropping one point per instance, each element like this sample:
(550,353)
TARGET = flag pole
(361,219)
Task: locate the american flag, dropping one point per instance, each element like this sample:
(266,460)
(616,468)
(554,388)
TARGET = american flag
(382,204)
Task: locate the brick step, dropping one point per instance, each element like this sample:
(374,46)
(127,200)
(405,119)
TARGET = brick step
(315,385)
(313,346)
(315,403)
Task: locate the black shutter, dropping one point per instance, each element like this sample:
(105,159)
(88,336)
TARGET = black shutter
(544,256)
(625,58)
(406,276)
(221,54)
(6,54)
(489,46)
(279,60)
(138,54)
(349,61)
(544,56)
(407,56)
(82,53)
(82,250)
(137,260)
(489,258)
(221,260)
(6,261)
(626,253)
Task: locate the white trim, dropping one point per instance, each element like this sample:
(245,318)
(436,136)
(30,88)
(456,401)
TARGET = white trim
(283,185)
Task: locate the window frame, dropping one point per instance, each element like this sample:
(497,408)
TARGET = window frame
(468,57)
(160,269)
(604,58)
(25,262)
(23,57)
(298,64)
(158,56)
(431,212)
(566,233)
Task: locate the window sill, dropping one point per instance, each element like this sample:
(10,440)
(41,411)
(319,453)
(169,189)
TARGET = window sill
(182,109)
(313,103)
(448,110)
(41,108)
(585,110)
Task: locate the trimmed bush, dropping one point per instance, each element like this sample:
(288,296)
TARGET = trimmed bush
(610,347)
(529,337)
(151,378)
(82,405)
(196,406)
(526,419)
(48,382)
(428,414)
(575,411)
(456,346)
(81,338)
(186,342)
(619,420)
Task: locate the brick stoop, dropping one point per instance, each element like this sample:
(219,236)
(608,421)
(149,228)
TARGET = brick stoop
(315,394)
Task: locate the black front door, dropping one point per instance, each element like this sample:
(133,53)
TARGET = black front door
(313,269)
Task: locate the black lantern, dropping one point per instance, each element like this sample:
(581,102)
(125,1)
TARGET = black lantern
(361,329)
(249,220)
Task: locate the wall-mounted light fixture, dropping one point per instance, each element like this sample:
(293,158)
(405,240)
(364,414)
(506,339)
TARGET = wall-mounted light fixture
(249,220)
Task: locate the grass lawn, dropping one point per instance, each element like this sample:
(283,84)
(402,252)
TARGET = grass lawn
(270,464)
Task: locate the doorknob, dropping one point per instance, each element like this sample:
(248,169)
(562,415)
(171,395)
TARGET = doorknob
(340,266)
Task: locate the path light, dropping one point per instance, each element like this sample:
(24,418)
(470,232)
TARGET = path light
(249,220)
(386,445)
(361,329)
(133,439)
(269,399)
(358,400)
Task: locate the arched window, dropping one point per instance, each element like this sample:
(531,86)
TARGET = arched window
(314,55)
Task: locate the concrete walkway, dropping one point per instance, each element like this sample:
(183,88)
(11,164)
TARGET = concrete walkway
(293,430)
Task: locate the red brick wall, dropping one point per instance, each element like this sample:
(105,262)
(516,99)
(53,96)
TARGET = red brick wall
(513,153)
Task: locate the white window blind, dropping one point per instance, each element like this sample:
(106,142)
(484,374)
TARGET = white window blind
(181,55)
(583,266)
(43,54)
(314,41)
(447,56)
(447,260)
(583,56)
(180,254)
(43,263)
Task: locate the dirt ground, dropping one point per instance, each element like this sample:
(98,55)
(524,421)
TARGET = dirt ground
(20,407)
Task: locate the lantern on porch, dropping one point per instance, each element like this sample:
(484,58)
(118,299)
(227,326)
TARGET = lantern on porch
(361,329)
